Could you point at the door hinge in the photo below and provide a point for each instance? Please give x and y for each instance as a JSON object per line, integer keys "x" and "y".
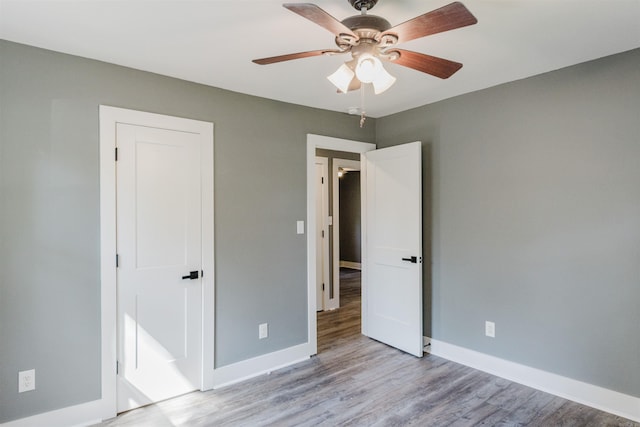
{"x": 323, "y": 286}
{"x": 323, "y": 234}
{"x": 322, "y": 180}
{"x": 117, "y": 260}
{"x": 116, "y": 154}
{"x": 201, "y": 273}
{"x": 117, "y": 367}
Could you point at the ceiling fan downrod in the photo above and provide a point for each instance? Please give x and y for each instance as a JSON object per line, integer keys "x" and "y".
{"x": 363, "y": 4}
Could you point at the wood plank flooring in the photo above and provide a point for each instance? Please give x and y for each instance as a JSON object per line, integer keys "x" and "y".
{"x": 355, "y": 381}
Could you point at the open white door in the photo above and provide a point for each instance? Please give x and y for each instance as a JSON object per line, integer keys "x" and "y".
{"x": 392, "y": 247}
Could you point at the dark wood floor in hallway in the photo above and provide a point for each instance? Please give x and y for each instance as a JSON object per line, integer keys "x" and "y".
{"x": 355, "y": 381}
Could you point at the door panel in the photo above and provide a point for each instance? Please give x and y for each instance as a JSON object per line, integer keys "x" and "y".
{"x": 158, "y": 240}
{"x": 393, "y": 227}
{"x": 160, "y": 188}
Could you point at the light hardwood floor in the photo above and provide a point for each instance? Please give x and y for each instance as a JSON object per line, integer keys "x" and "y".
{"x": 356, "y": 381}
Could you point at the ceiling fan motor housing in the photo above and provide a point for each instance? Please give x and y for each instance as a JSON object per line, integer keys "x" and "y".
{"x": 366, "y": 22}
{"x": 360, "y": 4}
{"x": 368, "y": 29}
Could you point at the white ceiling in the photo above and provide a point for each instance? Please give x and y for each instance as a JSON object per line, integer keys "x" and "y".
{"x": 213, "y": 42}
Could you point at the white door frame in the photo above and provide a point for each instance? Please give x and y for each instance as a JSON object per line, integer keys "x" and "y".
{"x": 109, "y": 117}
{"x": 323, "y": 222}
{"x": 329, "y": 143}
{"x": 352, "y": 165}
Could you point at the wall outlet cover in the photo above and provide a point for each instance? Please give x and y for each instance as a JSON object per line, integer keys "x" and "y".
{"x": 26, "y": 380}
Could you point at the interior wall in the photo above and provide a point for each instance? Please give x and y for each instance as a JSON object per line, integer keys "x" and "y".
{"x": 49, "y": 216}
{"x": 534, "y": 219}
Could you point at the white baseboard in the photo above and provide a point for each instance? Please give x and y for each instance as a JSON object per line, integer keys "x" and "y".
{"x": 94, "y": 412}
{"x": 351, "y": 264}
{"x": 259, "y": 365}
{"x": 587, "y": 394}
{"x": 84, "y": 414}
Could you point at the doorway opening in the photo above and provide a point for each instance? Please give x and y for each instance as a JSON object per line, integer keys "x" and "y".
{"x": 321, "y": 146}
{"x": 347, "y": 219}
{"x": 338, "y": 230}
{"x": 391, "y": 190}
{"x": 338, "y": 222}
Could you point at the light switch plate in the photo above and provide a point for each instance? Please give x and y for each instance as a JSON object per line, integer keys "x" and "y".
{"x": 490, "y": 329}
{"x": 300, "y": 227}
{"x": 263, "y": 330}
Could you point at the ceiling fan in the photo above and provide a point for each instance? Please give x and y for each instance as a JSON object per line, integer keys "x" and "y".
{"x": 371, "y": 39}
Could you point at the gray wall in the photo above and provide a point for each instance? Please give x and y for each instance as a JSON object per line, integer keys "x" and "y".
{"x": 49, "y": 216}
{"x": 535, "y": 219}
{"x": 350, "y": 217}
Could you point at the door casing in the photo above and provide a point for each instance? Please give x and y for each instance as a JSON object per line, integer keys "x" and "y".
{"x": 322, "y": 205}
{"x": 109, "y": 117}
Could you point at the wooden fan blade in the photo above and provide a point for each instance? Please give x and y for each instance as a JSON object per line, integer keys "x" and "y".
{"x": 449, "y": 17}
{"x": 290, "y": 56}
{"x": 433, "y": 65}
{"x": 314, "y": 14}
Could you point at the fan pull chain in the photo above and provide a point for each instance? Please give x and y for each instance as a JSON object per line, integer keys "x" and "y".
{"x": 363, "y": 116}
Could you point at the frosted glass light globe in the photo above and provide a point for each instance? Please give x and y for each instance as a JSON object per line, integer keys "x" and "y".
{"x": 367, "y": 68}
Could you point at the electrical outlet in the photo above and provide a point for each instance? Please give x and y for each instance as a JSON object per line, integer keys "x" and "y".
{"x": 263, "y": 330}
{"x": 26, "y": 380}
{"x": 490, "y": 329}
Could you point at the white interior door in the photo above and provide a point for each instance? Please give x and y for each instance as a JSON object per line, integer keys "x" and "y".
{"x": 392, "y": 254}
{"x": 322, "y": 234}
{"x": 159, "y": 243}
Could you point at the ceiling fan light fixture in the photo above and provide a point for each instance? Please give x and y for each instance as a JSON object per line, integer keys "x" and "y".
{"x": 370, "y": 70}
{"x": 383, "y": 81}
{"x": 342, "y": 78}
{"x": 368, "y": 67}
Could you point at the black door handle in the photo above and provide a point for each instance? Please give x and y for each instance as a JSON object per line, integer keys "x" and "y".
{"x": 413, "y": 259}
{"x": 192, "y": 275}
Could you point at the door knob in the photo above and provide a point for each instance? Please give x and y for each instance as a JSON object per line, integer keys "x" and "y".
{"x": 192, "y": 275}
{"x": 413, "y": 259}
